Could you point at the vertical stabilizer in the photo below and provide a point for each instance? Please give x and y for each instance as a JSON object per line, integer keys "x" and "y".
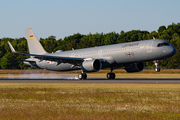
{"x": 34, "y": 45}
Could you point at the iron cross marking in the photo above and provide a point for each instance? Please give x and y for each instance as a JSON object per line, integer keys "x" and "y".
{"x": 130, "y": 54}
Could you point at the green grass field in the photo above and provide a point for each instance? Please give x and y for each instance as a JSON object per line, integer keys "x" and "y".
{"x": 120, "y": 73}
{"x": 102, "y": 101}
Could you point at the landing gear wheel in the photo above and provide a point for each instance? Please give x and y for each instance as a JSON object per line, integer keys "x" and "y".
{"x": 82, "y": 76}
{"x": 111, "y": 75}
{"x": 157, "y": 69}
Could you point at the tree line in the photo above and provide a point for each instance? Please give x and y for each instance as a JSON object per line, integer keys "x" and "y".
{"x": 171, "y": 33}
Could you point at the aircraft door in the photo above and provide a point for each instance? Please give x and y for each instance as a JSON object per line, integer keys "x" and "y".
{"x": 149, "y": 46}
{"x": 99, "y": 53}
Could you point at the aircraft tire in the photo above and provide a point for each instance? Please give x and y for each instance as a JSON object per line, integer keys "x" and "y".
{"x": 157, "y": 69}
{"x": 108, "y": 75}
{"x": 111, "y": 75}
{"x": 82, "y": 76}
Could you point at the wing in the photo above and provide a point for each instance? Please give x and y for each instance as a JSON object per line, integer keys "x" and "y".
{"x": 72, "y": 60}
{"x": 59, "y": 59}
{"x": 18, "y": 60}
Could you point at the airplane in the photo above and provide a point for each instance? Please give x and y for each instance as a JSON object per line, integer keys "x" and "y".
{"x": 131, "y": 55}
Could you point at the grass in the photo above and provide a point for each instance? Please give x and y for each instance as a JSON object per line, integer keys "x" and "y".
{"x": 120, "y": 73}
{"x": 163, "y": 71}
{"x": 89, "y": 101}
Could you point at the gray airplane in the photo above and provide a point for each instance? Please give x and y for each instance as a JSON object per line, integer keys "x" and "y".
{"x": 131, "y": 56}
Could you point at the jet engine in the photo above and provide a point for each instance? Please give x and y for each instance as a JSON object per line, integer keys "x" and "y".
{"x": 91, "y": 65}
{"x": 134, "y": 67}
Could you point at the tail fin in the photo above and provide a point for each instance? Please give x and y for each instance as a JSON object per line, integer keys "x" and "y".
{"x": 34, "y": 45}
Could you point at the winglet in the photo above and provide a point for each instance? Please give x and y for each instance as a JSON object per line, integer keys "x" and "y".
{"x": 12, "y": 49}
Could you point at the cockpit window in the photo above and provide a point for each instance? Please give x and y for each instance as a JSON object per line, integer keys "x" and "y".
{"x": 163, "y": 44}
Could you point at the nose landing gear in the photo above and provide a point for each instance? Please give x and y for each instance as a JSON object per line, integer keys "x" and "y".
{"x": 157, "y": 69}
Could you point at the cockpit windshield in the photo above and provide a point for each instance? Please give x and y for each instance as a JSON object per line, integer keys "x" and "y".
{"x": 163, "y": 44}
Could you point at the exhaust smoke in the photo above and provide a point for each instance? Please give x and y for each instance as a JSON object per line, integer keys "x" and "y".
{"x": 30, "y": 74}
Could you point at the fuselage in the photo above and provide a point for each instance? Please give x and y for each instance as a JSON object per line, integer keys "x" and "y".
{"x": 113, "y": 55}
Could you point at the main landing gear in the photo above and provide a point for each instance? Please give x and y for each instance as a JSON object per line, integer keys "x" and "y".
{"x": 157, "y": 69}
{"x": 111, "y": 75}
{"x": 82, "y": 76}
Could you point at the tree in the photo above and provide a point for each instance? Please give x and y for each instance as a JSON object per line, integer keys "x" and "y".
{"x": 130, "y": 36}
{"x": 122, "y": 32}
{"x": 77, "y": 41}
{"x": 49, "y": 44}
{"x": 165, "y": 36}
{"x": 110, "y": 38}
{"x": 161, "y": 29}
{"x": 152, "y": 35}
{"x": 8, "y": 64}
{"x": 175, "y": 60}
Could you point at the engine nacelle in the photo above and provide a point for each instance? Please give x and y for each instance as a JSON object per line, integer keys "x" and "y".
{"x": 134, "y": 67}
{"x": 91, "y": 65}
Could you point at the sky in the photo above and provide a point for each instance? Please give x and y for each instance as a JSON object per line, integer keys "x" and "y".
{"x": 62, "y": 18}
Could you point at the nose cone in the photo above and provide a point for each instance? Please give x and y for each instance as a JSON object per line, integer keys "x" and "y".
{"x": 172, "y": 51}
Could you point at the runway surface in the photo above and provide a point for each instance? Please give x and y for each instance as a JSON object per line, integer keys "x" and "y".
{"x": 95, "y": 80}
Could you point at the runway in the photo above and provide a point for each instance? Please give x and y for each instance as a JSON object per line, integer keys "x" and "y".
{"x": 95, "y": 80}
